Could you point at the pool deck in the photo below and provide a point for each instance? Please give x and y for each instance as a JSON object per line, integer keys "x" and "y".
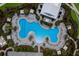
{"x": 57, "y": 46}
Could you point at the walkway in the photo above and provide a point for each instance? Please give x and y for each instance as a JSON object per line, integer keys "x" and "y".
{"x": 1, "y": 4}
{"x": 73, "y": 7}
{"x": 24, "y": 54}
{"x": 5, "y": 51}
{"x": 74, "y": 43}
{"x": 75, "y": 51}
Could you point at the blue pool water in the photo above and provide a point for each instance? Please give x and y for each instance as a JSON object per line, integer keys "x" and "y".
{"x": 40, "y": 32}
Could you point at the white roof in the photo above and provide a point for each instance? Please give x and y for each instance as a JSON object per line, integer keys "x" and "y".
{"x": 51, "y": 9}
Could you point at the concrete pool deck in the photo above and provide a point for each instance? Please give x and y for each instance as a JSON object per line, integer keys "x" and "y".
{"x": 57, "y": 46}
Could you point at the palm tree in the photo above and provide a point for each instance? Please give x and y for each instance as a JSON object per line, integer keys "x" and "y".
{"x": 15, "y": 28}
{"x": 31, "y": 37}
{"x": 43, "y": 44}
{"x": 33, "y": 43}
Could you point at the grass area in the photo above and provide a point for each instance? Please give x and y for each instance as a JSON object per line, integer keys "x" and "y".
{"x": 77, "y": 5}
{"x": 8, "y": 5}
{"x": 75, "y": 18}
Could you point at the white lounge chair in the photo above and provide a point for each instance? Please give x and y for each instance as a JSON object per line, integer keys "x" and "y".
{"x": 21, "y": 11}
{"x": 9, "y": 19}
{"x": 8, "y": 37}
{"x": 58, "y": 52}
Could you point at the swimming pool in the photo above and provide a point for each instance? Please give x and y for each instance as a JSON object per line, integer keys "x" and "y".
{"x": 40, "y": 33}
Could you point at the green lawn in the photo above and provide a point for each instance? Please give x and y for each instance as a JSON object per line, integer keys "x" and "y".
{"x": 77, "y": 5}
{"x": 75, "y": 18}
{"x": 8, "y": 5}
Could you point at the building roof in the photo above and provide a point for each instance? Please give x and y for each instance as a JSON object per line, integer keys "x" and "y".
{"x": 51, "y": 10}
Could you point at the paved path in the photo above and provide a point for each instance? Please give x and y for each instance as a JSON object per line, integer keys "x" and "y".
{"x": 1, "y": 4}
{"x": 75, "y": 51}
{"x": 73, "y": 7}
{"x": 9, "y": 48}
{"x": 4, "y": 51}
{"x": 75, "y": 45}
{"x": 38, "y": 48}
{"x": 10, "y": 53}
{"x": 73, "y": 41}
